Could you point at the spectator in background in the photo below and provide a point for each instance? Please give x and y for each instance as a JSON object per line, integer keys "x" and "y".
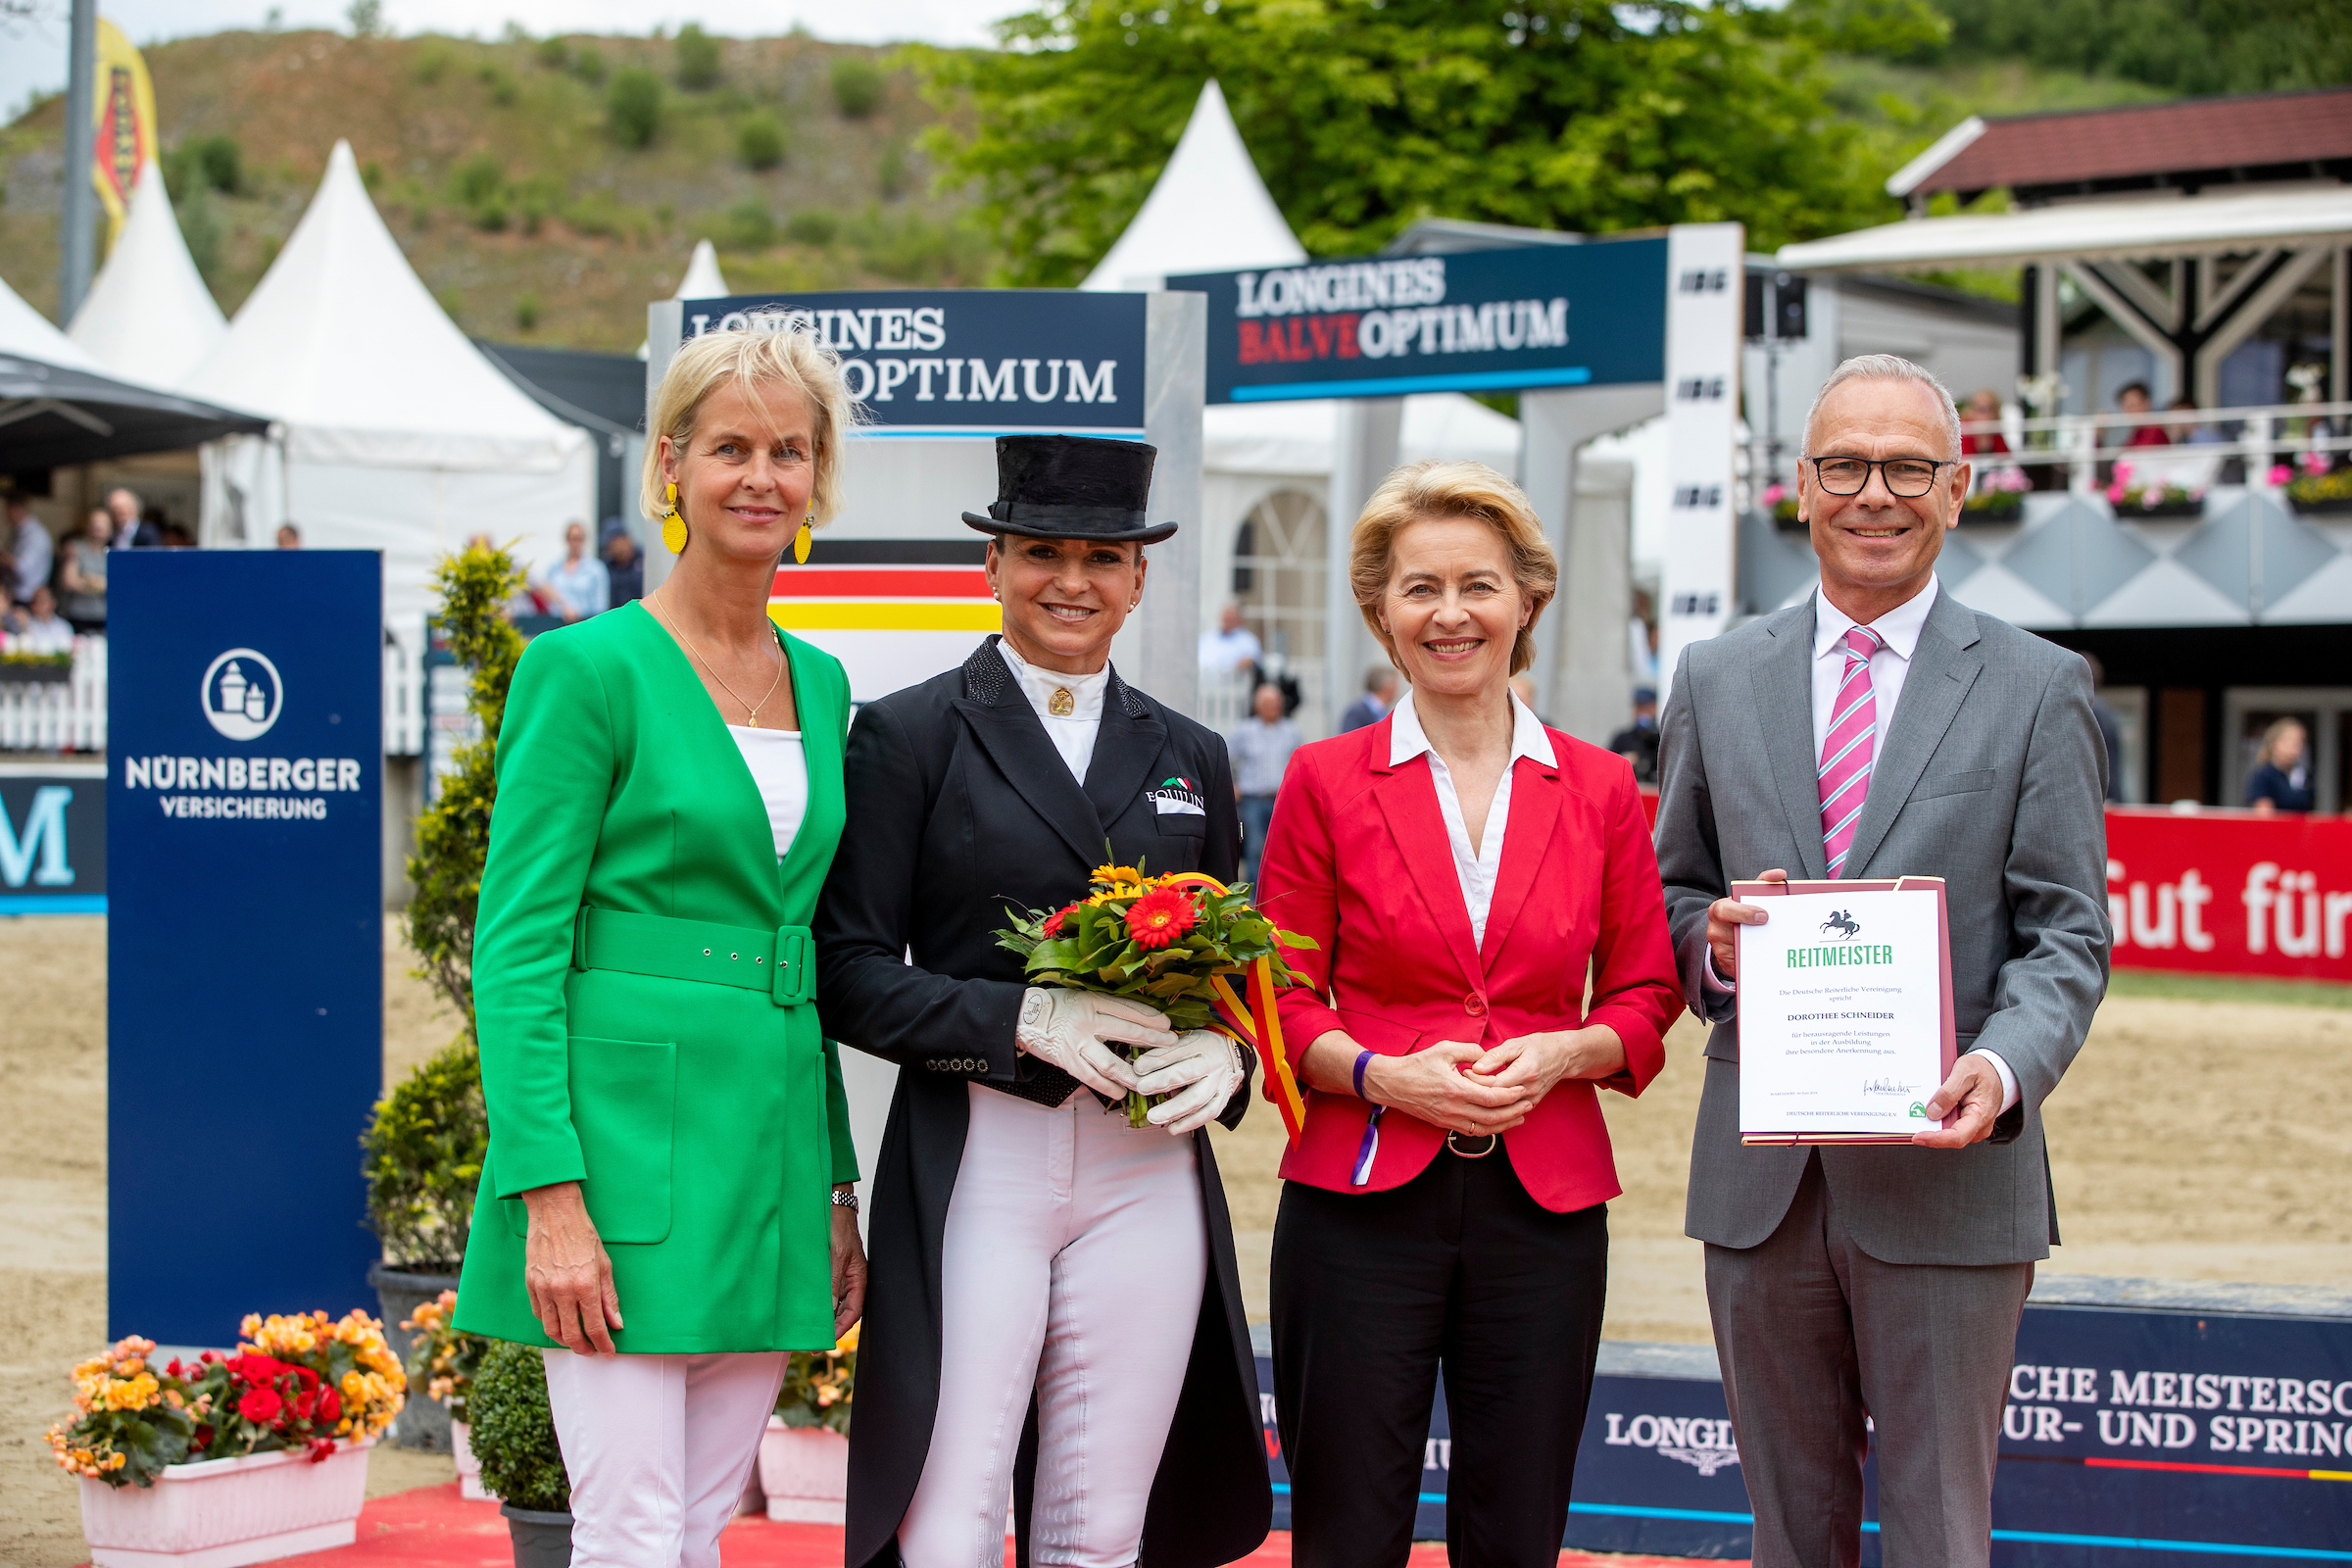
{"x": 40, "y": 629}
{"x": 1380, "y": 695}
{"x": 2282, "y": 777}
{"x": 1229, "y": 645}
{"x": 29, "y": 542}
{"x": 2111, "y": 730}
{"x": 1261, "y": 750}
{"x": 2135, "y": 399}
{"x": 1637, "y": 742}
{"x": 81, "y": 573}
{"x": 624, "y": 569}
{"x": 131, "y": 531}
{"x": 289, "y": 537}
{"x": 176, "y": 536}
{"x": 578, "y": 583}
{"x": 2195, "y": 436}
{"x": 1983, "y": 406}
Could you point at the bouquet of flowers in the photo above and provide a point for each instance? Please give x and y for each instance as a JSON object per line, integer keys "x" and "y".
{"x": 298, "y": 1382}
{"x": 818, "y": 1386}
{"x": 1172, "y": 942}
{"x": 444, "y": 1356}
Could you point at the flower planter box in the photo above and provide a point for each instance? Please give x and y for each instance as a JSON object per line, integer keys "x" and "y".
{"x": 224, "y": 1513}
{"x": 2340, "y": 506}
{"x": 804, "y": 1471}
{"x": 35, "y": 674}
{"x": 541, "y": 1540}
{"x": 2133, "y": 512}
{"x": 470, "y": 1468}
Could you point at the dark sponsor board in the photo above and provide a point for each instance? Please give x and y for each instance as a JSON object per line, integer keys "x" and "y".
{"x": 53, "y": 838}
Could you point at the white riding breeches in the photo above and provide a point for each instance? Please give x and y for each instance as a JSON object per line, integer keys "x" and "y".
{"x": 1074, "y": 1259}
{"x": 658, "y": 1449}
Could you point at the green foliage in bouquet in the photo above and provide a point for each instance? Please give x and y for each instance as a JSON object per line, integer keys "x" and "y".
{"x": 513, "y": 1432}
{"x": 1163, "y": 941}
{"x": 818, "y": 1386}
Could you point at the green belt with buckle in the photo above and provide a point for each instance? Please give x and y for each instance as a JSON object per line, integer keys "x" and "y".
{"x": 779, "y": 962}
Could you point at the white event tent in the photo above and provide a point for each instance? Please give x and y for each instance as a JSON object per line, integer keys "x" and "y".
{"x": 148, "y": 315}
{"x": 702, "y": 281}
{"x": 393, "y": 432}
{"x": 26, "y": 333}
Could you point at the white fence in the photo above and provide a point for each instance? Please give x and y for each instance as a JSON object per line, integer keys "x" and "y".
{"x": 69, "y": 716}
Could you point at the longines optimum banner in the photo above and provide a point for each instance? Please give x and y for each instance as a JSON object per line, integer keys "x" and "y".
{"x": 1536, "y": 315}
{"x": 52, "y": 838}
{"x": 937, "y": 362}
{"x": 244, "y": 826}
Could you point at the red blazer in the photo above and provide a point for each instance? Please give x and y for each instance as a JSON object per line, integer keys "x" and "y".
{"x": 1357, "y": 858}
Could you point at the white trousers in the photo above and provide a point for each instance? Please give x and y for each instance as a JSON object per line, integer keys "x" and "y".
{"x": 1074, "y": 1265}
{"x": 658, "y": 1449}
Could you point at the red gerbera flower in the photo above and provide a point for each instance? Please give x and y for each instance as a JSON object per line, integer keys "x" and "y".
{"x": 1053, "y": 926}
{"x": 1161, "y": 916}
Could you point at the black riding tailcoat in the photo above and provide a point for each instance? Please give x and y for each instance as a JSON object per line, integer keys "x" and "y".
{"x": 958, "y": 806}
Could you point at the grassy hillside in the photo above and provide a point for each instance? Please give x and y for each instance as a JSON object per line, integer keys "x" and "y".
{"x": 508, "y": 171}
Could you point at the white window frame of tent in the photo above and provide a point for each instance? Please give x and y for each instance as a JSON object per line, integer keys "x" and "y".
{"x": 2325, "y": 711}
{"x": 1287, "y": 626}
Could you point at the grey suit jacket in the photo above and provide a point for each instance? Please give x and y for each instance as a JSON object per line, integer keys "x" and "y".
{"x": 1991, "y": 775}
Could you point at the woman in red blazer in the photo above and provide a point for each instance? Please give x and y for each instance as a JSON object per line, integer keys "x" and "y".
{"x": 1463, "y": 870}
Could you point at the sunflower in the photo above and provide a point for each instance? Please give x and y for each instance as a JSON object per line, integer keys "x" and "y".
{"x": 1117, "y": 876}
{"x": 1161, "y": 916}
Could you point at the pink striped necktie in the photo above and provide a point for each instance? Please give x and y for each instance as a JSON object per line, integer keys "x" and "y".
{"x": 1847, "y": 752}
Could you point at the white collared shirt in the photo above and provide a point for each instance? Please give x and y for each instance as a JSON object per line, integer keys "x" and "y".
{"x": 1475, "y": 869}
{"x": 1898, "y": 636}
{"x": 1073, "y": 734}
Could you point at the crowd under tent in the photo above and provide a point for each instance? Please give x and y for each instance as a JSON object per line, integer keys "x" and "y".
{"x": 148, "y": 315}
{"x": 395, "y": 433}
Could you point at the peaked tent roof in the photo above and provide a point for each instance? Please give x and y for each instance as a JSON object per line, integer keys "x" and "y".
{"x": 148, "y": 315}
{"x": 702, "y": 281}
{"x": 342, "y": 341}
{"x": 1208, "y": 212}
{"x": 26, "y": 331}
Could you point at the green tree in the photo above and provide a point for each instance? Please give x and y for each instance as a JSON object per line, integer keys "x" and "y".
{"x": 367, "y": 18}
{"x": 697, "y": 58}
{"x": 760, "y": 140}
{"x": 2193, "y": 46}
{"x": 633, "y": 106}
{"x": 1365, "y": 114}
{"x": 856, "y": 87}
{"x": 751, "y": 227}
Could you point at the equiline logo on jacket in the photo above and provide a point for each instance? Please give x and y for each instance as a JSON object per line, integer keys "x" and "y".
{"x": 1177, "y": 795}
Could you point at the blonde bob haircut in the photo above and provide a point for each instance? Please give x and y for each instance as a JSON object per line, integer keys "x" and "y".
{"x": 755, "y": 360}
{"x": 1434, "y": 489}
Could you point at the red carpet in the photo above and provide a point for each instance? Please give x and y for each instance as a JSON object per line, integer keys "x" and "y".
{"x": 434, "y": 1528}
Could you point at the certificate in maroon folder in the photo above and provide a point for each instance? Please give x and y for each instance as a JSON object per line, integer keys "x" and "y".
{"x": 1860, "y": 889}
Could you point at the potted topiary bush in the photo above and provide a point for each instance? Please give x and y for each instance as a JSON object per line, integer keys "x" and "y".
{"x": 426, "y": 1143}
{"x": 805, "y": 1453}
{"x": 513, "y": 1437}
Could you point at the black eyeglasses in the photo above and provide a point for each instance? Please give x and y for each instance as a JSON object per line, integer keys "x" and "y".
{"x": 1908, "y": 477}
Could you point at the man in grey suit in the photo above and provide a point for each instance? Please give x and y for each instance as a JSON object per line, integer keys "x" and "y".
{"x": 1858, "y": 1286}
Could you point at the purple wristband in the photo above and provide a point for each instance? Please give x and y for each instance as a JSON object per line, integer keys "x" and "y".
{"x": 1362, "y": 1059}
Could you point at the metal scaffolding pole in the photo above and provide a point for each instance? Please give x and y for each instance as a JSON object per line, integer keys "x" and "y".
{"x": 78, "y": 218}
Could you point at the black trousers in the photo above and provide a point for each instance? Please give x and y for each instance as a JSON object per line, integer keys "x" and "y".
{"x": 1372, "y": 1294}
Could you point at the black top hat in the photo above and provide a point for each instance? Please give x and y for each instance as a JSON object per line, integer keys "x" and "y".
{"x": 1072, "y": 487}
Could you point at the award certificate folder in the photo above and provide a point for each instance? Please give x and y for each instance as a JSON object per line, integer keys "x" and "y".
{"x": 1845, "y": 1010}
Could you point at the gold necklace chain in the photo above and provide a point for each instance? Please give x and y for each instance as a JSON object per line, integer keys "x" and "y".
{"x": 670, "y": 622}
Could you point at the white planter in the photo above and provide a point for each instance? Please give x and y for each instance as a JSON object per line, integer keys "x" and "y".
{"x": 804, "y": 1471}
{"x": 470, "y": 1468}
{"x": 225, "y": 1513}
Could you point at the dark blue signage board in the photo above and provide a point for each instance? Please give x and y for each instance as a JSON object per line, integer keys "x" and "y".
{"x": 53, "y": 838}
{"x": 1535, "y": 315}
{"x": 245, "y": 934}
{"x": 2132, "y": 1438}
{"x": 966, "y": 361}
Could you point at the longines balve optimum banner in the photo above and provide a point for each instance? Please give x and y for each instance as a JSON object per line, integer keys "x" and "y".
{"x": 245, "y": 1007}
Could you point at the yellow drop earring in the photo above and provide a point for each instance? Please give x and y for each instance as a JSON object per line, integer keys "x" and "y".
{"x": 674, "y": 524}
{"x": 800, "y": 540}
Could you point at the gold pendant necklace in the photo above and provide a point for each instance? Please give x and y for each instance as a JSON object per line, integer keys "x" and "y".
{"x": 1063, "y": 702}
{"x": 753, "y": 721}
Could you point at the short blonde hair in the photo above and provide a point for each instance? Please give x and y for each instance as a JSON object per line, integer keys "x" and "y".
{"x": 2276, "y": 732}
{"x": 1436, "y": 489}
{"x": 752, "y": 357}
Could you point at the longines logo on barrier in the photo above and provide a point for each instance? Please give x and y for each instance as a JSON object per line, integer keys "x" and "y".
{"x": 242, "y": 694}
{"x": 1700, "y": 1442}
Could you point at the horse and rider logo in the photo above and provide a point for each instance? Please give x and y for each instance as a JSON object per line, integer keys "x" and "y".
{"x": 1842, "y": 924}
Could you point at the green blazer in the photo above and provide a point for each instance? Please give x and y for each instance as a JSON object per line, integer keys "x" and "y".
{"x": 704, "y": 1121}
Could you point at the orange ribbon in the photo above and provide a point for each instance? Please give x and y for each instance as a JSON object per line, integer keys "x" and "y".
{"x": 1257, "y": 1023}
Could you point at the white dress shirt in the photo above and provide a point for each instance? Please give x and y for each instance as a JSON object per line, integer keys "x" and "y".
{"x": 1475, "y": 869}
{"x": 780, "y": 768}
{"x": 1073, "y": 735}
{"x": 1899, "y": 637}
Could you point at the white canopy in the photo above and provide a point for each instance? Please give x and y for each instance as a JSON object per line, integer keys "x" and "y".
{"x": 396, "y": 434}
{"x": 702, "y": 281}
{"x": 148, "y": 315}
{"x": 2087, "y": 231}
{"x": 26, "y": 333}
{"x": 1208, "y": 212}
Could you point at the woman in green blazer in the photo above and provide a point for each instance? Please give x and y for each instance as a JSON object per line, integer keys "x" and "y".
{"x": 666, "y": 1194}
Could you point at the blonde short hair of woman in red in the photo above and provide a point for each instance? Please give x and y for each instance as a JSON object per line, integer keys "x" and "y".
{"x": 1464, "y": 870}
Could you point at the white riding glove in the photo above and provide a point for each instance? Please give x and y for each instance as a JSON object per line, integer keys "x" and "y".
{"x": 1204, "y": 1064}
{"x": 1067, "y": 1028}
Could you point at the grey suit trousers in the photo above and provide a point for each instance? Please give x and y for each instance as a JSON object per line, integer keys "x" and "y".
{"x": 1812, "y": 1333}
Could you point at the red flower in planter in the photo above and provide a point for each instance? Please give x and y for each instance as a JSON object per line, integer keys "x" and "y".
{"x": 262, "y": 1406}
{"x": 303, "y": 1403}
{"x": 330, "y": 1407}
{"x": 1161, "y": 916}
